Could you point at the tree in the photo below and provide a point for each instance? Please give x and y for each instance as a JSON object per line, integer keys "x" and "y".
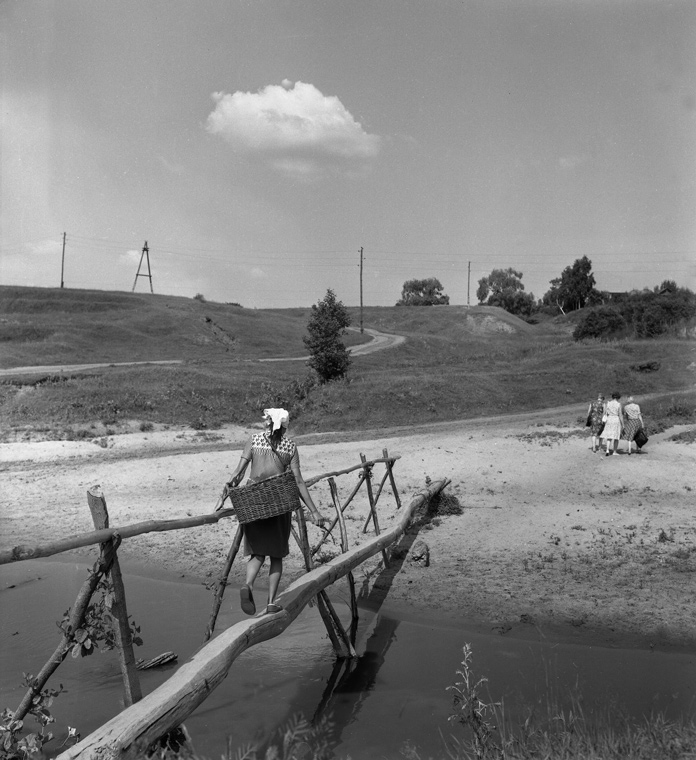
{"x": 574, "y": 288}
{"x": 426, "y": 292}
{"x": 329, "y": 358}
{"x": 504, "y": 288}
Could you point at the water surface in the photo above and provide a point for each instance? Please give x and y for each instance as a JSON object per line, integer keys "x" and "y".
{"x": 395, "y": 692}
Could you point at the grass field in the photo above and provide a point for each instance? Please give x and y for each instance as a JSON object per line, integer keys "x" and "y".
{"x": 457, "y": 363}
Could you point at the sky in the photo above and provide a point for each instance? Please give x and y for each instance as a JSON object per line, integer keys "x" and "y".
{"x": 259, "y": 146}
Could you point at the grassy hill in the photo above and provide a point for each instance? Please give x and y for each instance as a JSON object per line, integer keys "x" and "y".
{"x": 457, "y": 362}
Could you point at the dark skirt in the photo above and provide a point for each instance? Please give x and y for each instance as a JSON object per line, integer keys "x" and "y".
{"x": 269, "y": 537}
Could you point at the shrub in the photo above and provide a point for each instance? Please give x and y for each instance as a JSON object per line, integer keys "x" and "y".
{"x": 600, "y": 323}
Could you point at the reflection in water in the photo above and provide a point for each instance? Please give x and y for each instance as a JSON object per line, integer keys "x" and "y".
{"x": 351, "y": 681}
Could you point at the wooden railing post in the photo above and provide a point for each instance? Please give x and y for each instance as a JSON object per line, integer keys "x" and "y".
{"x": 222, "y": 581}
{"x": 371, "y": 498}
{"x": 339, "y": 638}
{"x": 390, "y": 465}
{"x": 77, "y": 616}
{"x": 344, "y": 547}
{"x": 118, "y": 610}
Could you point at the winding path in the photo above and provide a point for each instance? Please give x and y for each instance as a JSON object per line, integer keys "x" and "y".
{"x": 380, "y": 341}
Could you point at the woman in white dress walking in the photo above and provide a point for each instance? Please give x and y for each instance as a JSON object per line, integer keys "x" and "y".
{"x": 613, "y": 425}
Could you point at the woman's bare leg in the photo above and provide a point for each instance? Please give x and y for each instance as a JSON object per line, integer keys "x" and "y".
{"x": 274, "y": 573}
{"x": 254, "y": 564}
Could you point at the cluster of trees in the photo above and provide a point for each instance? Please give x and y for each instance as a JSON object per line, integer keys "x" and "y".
{"x": 504, "y": 288}
{"x": 427, "y": 292}
{"x": 643, "y": 314}
{"x": 574, "y": 289}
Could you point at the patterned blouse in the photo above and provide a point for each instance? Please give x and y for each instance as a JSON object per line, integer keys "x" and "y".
{"x": 265, "y": 462}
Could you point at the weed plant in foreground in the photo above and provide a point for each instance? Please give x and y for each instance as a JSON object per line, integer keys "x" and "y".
{"x": 481, "y": 731}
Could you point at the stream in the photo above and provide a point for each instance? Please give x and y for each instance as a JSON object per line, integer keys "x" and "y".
{"x": 395, "y": 692}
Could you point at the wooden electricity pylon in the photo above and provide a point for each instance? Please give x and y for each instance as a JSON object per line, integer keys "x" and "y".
{"x": 144, "y": 254}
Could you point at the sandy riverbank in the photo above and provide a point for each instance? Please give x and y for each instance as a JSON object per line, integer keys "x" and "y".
{"x": 551, "y": 536}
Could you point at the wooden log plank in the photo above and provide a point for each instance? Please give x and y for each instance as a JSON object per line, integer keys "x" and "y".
{"x": 169, "y": 704}
{"x": 24, "y": 551}
{"x": 118, "y": 608}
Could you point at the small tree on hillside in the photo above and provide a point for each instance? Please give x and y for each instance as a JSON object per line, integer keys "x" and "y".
{"x": 329, "y": 358}
{"x": 575, "y": 287}
{"x": 426, "y": 292}
{"x": 504, "y": 288}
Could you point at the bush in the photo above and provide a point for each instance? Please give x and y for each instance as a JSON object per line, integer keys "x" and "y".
{"x": 602, "y": 322}
{"x": 287, "y": 395}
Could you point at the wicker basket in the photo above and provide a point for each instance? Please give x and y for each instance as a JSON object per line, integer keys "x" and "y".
{"x": 267, "y": 498}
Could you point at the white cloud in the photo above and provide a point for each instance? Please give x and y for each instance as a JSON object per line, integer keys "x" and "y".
{"x": 296, "y": 128}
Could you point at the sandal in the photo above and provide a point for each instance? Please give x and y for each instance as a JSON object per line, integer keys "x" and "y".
{"x": 271, "y": 609}
{"x": 247, "y": 600}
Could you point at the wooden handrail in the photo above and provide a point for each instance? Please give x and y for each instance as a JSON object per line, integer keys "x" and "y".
{"x": 168, "y": 705}
{"x": 24, "y": 552}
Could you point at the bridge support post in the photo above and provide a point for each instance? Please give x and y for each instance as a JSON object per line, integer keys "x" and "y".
{"x": 118, "y": 610}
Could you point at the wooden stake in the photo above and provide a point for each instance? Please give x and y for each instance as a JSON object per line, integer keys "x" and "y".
{"x": 344, "y": 547}
{"x": 118, "y": 609}
{"x": 77, "y": 617}
{"x": 370, "y": 496}
{"x": 222, "y": 581}
{"x": 339, "y": 638}
{"x": 390, "y": 465}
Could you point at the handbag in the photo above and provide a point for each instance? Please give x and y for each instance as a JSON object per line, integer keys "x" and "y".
{"x": 641, "y": 438}
{"x": 588, "y": 422}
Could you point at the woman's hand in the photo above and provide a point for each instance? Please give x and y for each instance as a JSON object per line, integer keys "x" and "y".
{"x": 317, "y": 519}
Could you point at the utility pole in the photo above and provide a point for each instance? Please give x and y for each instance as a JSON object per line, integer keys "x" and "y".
{"x": 361, "y": 289}
{"x": 468, "y": 283}
{"x": 145, "y": 254}
{"x": 62, "y": 264}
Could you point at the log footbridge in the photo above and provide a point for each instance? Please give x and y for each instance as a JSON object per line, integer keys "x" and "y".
{"x": 146, "y": 719}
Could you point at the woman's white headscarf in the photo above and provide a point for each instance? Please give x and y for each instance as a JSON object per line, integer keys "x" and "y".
{"x": 278, "y": 417}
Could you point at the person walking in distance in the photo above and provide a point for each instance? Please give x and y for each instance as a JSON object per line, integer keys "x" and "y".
{"x": 613, "y": 425}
